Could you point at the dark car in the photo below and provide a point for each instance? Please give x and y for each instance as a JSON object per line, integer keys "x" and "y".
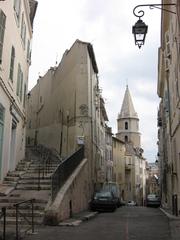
{"x": 103, "y": 201}
{"x": 114, "y": 188}
{"x": 153, "y": 200}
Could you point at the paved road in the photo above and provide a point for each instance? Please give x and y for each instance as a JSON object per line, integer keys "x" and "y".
{"x": 127, "y": 223}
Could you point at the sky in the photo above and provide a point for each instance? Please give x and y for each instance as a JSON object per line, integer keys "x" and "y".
{"x": 107, "y": 25}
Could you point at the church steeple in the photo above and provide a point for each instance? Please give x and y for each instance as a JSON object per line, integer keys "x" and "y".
{"x": 128, "y": 122}
{"x": 127, "y": 109}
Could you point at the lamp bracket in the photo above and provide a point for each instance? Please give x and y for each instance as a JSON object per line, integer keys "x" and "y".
{"x": 140, "y": 13}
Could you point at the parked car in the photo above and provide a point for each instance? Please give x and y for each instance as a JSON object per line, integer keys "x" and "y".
{"x": 103, "y": 201}
{"x": 153, "y": 200}
{"x": 131, "y": 203}
{"x": 114, "y": 188}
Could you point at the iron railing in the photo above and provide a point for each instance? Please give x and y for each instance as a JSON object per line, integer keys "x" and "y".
{"x": 45, "y": 160}
{"x": 30, "y": 222}
{"x": 64, "y": 170}
{"x": 3, "y": 215}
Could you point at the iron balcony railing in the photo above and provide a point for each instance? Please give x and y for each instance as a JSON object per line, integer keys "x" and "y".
{"x": 64, "y": 170}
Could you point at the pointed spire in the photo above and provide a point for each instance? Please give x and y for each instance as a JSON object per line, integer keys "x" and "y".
{"x": 127, "y": 109}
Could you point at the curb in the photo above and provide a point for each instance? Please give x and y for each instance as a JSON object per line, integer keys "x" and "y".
{"x": 170, "y": 216}
{"x": 89, "y": 216}
{"x": 78, "y": 220}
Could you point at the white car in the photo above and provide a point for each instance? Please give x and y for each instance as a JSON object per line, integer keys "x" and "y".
{"x": 131, "y": 203}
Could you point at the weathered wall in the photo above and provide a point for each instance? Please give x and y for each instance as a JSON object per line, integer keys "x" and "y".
{"x": 73, "y": 193}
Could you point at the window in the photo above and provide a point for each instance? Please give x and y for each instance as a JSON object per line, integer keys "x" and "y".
{"x": 12, "y": 64}
{"x": 1, "y": 113}
{"x": 19, "y": 82}
{"x": 28, "y": 52}
{"x": 126, "y": 138}
{"x": 17, "y": 8}
{"x": 23, "y": 30}
{"x": 126, "y": 125}
{"x": 2, "y": 28}
{"x": 24, "y": 98}
{"x": 21, "y": 86}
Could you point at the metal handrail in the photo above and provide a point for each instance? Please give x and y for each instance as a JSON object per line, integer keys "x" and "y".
{"x": 64, "y": 170}
{"x": 3, "y": 214}
{"x": 45, "y": 158}
{"x": 31, "y": 202}
{"x": 44, "y": 166}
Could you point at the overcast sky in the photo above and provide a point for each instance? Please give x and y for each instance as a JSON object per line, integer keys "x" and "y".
{"x": 107, "y": 25}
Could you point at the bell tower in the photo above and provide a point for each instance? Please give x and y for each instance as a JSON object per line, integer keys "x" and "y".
{"x": 128, "y": 122}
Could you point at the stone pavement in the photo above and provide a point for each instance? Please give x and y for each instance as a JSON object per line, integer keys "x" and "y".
{"x": 174, "y": 224}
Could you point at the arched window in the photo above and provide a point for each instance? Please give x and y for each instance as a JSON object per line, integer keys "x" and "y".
{"x": 126, "y": 125}
{"x": 126, "y": 138}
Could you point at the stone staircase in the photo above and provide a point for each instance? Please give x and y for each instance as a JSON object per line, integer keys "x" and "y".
{"x": 30, "y": 180}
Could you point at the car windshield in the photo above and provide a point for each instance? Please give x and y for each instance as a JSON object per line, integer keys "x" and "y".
{"x": 103, "y": 194}
{"x": 152, "y": 196}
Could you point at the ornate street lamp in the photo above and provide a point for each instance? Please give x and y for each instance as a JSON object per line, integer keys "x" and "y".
{"x": 140, "y": 28}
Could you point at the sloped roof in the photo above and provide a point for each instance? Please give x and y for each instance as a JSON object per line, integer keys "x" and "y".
{"x": 127, "y": 109}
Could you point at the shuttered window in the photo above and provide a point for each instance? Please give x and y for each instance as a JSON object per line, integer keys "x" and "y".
{"x": 12, "y": 63}
{"x": 2, "y": 29}
{"x": 1, "y": 114}
{"x": 23, "y": 30}
{"x": 19, "y": 88}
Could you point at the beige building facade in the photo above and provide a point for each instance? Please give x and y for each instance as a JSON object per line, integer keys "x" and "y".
{"x": 119, "y": 165}
{"x": 65, "y": 110}
{"x": 169, "y": 108}
{"x": 16, "y": 19}
{"x": 153, "y": 179}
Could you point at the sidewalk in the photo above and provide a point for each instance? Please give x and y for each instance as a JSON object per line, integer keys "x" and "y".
{"x": 174, "y": 223}
{"x": 78, "y": 218}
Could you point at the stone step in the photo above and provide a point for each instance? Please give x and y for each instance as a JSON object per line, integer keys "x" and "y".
{"x": 12, "y": 183}
{"x": 25, "y": 212}
{"x": 34, "y": 177}
{"x": 16, "y": 200}
{"x": 32, "y": 187}
{"x": 36, "y": 170}
{"x": 11, "y": 178}
{"x": 34, "y": 181}
{"x": 22, "y": 221}
{"x": 33, "y": 164}
{"x": 10, "y": 200}
{"x": 15, "y": 173}
{"x": 50, "y": 169}
{"x": 40, "y": 206}
{"x": 21, "y": 169}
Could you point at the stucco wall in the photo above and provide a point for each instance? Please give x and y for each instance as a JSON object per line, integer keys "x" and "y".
{"x": 75, "y": 191}
{"x": 13, "y": 141}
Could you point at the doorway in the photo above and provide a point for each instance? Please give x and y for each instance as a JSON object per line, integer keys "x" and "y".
{"x": 13, "y": 144}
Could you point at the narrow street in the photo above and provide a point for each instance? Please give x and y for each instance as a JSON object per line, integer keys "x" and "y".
{"x": 126, "y": 223}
